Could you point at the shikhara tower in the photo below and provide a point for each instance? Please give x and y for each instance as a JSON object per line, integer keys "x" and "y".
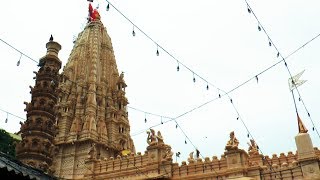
{"x": 92, "y": 105}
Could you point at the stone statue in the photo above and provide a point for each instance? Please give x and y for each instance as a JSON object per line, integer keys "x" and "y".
{"x": 151, "y": 139}
{"x": 191, "y": 159}
{"x": 93, "y": 152}
{"x": 253, "y": 148}
{"x": 168, "y": 154}
{"x": 233, "y": 143}
{"x": 159, "y": 138}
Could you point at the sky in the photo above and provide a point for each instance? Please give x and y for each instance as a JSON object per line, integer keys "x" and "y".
{"x": 217, "y": 39}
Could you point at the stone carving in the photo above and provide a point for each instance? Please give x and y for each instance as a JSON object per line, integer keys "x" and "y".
{"x": 159, "y": 138}
{"x": 93, "y": 152}
{"x": 253, "y": 148}
{"x": 191, "y": 159}
{"x": 233, "y": 143}
{"x": 154, "y": 139}
{"x": 151, "y": 139}
{"x": 168, "y": 154}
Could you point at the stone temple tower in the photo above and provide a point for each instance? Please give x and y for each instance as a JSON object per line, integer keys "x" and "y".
{"x": 37, "y": 146}
{"x": 91, "y": 111}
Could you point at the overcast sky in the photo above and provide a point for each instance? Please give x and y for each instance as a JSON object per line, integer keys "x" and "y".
{"x": 217, "y": 39}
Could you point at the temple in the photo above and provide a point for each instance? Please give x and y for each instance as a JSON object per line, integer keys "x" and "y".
{"x": 77, "y": 127}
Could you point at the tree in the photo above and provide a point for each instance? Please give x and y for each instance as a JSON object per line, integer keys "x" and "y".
{"x": 7, "y": 143}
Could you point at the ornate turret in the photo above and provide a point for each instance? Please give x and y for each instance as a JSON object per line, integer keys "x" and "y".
{"x": 37, "y": 146}
{"x": 92, "y": 104}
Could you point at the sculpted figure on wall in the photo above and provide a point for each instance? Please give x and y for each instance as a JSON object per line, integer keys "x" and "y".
{"x": 253, "y": 147}
{"x": 233, "y": 143}
{"x": 151, "y": 139}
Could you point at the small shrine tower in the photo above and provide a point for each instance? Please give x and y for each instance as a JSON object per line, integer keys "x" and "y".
{"x": 37, "y": 146}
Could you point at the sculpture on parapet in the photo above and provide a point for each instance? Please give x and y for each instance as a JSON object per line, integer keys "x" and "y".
{"x": 151, "y": 139}
{"x": 233, "y": 143}
{"x": 168, "y": 154}
{"x": 253, "y": 147}
{"x": 154, "y": 139}
{"x": 190, "y": 158}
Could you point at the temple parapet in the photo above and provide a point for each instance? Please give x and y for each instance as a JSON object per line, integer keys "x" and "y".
{"x": 235, "y": 163}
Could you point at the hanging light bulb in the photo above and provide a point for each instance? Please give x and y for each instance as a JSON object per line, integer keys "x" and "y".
{"x": 185, "y": 141}
{"x": 312, "y": 128}
{"x": 194, "y": 79}
{"x": 308, "y": 114}
{"x": 18, "y": 63}
{"x": 259, "y": 28}
{"x": 249, "y": 10}
{"x": 278, "y": 54}
{"x": 145, "y": 118}
{"x": 219, "y": 95}
{"x": 248, "y": 135}
{"x": 270, "y": 43}
{"x": 237, "y": 118}
{"x": 231, "y": 101}
{"x": 161, "y": 120}
{"x": 178, "y": 67}
{"x": 108, "y": 7}
{"x": 299, "y": 98}
{"x": 176, "y": 126}
{"x": 257, "y": 78}
{"x": 157, "y": 52}
{"x": 207, "y": 87}
{"x": 133, "y": 32}
{"x": 6, "y": 121}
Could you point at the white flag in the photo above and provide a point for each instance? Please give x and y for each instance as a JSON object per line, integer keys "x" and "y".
{"x": 295, "y": 81}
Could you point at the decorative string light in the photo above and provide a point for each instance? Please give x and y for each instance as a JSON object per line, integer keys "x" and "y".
{"x": 185, "y": 141}
{"x": 238, "y": 118}
{"x": 207, "y": 86}
{"x": 270, "y": 43}
{"x": 161, "y": 120}
{"x": 249, "y": 10}
{"x": 133, "y": 32}
{"x": 157, "y": 53}
{"x": 145, "y": 118}
{"x": 6, "y": 121}
{"x": 18, "y": 63}
{"x": 194, "y": 79}
{"x": 257, "y": 78}
{"x": 108, "y": 7}
{"x": 178, "y": 67}
{"x": 284, "y": 59}
{"x": 259, "y": 28}
{"x": 231, "y": 101}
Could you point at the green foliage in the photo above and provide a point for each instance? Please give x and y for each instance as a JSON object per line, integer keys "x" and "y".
{"x": 7, "y": 143}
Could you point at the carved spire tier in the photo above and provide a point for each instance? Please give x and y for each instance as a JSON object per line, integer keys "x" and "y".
{"x": 37, "y": 146}
{"x": 92, "y": 103}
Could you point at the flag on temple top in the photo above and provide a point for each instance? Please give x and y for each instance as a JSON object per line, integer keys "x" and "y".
{"x": 90, "y": 9}
{"x": 295, "y": 81}
{"x": 302, "y": 128}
